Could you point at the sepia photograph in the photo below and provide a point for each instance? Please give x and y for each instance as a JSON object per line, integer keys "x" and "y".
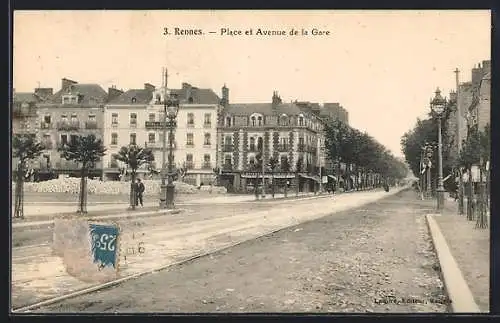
{"x": 250, "y": 161}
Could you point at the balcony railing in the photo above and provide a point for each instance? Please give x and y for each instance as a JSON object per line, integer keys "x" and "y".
{"x": 227, "y": 167}
{"x": 190, "y": 124}
{"x": 253, "y": 148}
{"x": 301, "y": 147}
{"x": 207, "y": 125}
{"x": 206, "y": 166}
{"x": 227, "y": 148}
{"x": 68, "y": 125}
{"x": 158, "y": 125}
{"x": 45, "y": 125}
{"x": 158, "y": 145}
{"x": 283, "y": 147}
{"x": 189, "y": 165}
{"x": 90, "y": 124}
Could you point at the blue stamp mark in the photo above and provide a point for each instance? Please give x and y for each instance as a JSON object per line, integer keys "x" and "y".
{"x": 104, "y": 248}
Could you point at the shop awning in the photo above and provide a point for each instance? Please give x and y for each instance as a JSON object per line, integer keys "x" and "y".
{"x": 317, "y": 179}
{"x": 332, "y": 177}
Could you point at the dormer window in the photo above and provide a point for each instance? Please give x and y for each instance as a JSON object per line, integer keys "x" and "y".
{"x": 283, "y": 120}
{"x": 260, "y": 120}
{"x": 253, "y": 121}
{"x": 134, "y": 100}
{"x": 301, "y": 121}
{"x": 228, "y": 121}
{"x": 190, "y": 100}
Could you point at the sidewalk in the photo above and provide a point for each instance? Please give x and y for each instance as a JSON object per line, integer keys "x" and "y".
{"x": 471, "y": 249}
{"x": 41, "y": 276}
{"x": 44, "y": 214}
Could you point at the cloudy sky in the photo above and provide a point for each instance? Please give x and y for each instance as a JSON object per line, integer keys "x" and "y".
{"x": 382, "y": 66}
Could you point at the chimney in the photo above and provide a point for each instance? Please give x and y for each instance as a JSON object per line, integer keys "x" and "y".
{"x": 276, "y": 99}
{"x": 225, "y": 95}
{"x": 44, "y": 93}
{"x": 486, "y": 67}
{"x": 113, "y": 93}
{"x": 453, "y": 96}
{"x": 149, "y": 87}
{"x": 66, "y": 83}
{"x": 186, "y": 89}
{"x": 477, "y": 75}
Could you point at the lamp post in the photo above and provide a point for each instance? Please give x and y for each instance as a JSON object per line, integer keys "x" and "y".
{"x": 438, "y": 106}
{"x": 170, "y": 110}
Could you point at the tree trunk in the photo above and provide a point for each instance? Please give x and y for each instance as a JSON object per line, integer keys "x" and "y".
{"x": 482, "y": 220}
{"x": 286, "y": 187}
{"x": 460, "y": 192}
{"x": 297, "y": 181}
{"x": 132, "y": 190}
{"x": 19, "y": 193}
{"x": 272, "y": 184}
{"x": 470, "y": 195}
{"x": 82, "y": 205}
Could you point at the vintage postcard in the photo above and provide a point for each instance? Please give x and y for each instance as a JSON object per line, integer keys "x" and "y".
{"x": 220, "y": 161}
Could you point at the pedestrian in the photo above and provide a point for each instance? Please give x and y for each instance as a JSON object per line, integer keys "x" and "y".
{"x": 139, "y": 192}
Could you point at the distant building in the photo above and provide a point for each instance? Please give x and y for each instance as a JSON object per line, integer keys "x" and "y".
{"x": 76, "y": 109}
{"x": 288, "y": 131}
{"x": 136, "y": 116}
{"x": 335, "y": 111}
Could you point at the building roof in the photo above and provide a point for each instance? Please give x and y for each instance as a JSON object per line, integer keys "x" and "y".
{"x": 266, "y": 109}
{"x": 199, "y": 96}
{"x": 91, "y": 93}
{"x": 141, "y": 96}
{"x": 24, "y": 97}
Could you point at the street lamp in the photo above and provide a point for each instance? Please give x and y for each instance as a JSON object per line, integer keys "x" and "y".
{"x": 170, "y": 110}
{"x": 438, "y": 106}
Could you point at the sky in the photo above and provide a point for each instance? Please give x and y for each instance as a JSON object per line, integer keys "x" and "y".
{"x": 382, "y": 66}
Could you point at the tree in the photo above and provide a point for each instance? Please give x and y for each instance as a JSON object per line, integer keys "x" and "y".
{"x": 134, "y": 157}
{"x": 86, "y": 150}
{"x": 299, "y": 165}
{"x": 24, "y": 148}
{"x": 273, "y": 164}
{"x": 285, "y": 168}
{"x": 470, "y": 155}
{"x": 485, "y": 151}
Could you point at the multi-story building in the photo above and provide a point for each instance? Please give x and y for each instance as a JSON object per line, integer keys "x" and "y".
{"x": 469, "y": 105}
{"x": 287, "y": 131}
{"x": 24, "y": 111}
{"x": 76, "y": 109}
{"x": 137, "y": 116}
{"x": 335, "y": 111}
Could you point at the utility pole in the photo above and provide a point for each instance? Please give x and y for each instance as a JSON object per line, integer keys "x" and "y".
{"x": 459, "y": 144}
{"x": 163, "y": 197}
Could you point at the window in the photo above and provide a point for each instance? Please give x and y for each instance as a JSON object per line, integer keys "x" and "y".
{"x": 206, "y": 159}
{"x": 65, "y": 100}
{"x": 301, "y": 141}
{"x": 114, "y": 119}
{"x": 252, "y": 144}
{"x": 206, "y": 142}
{"x": 92, "y": 117}
{"x": 73, "y": 138}
{"x": 283, "y": 120}
{"x": 152, "y": 117}
{"x": 74, "y": 118}
{"x": 228, "y": 140}
{"x": 260, "y": 120}
{"x": 64, "y": 118}
{"x": 114, "y": 138}
{"x": 189, "y": 161}
{"x": 133, "y": 119}
{"x": 253, "y": 121}
{"x": 151, "y": 138}
{"x": 284, "y": 143}
{"x": 228, "y": 121}
{"x": 208, "y": 120}
{"x": 189, "y": 139}
{"x": 171, "y": 136}
{"x": 301, "y": 121}
{"x": 259, "y": 144}
{"x": 251, "y": 161}
{"x": 190, "y": 119}
{"x": 47, "y": 119}
{"x": 227, "y": 160}
{"x": 64, "y": 139}
{"x": 133, "y": 139}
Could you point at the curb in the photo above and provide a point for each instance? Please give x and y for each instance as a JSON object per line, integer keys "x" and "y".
{"x": 34, "y": 224}
{"x": 152, "y": 271}
{"x": 455, "y": 285}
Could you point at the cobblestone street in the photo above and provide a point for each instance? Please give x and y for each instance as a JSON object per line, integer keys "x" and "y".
{"x": 376, "y": 258}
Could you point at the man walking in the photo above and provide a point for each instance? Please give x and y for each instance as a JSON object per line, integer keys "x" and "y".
{"x": 140, "y": 190}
